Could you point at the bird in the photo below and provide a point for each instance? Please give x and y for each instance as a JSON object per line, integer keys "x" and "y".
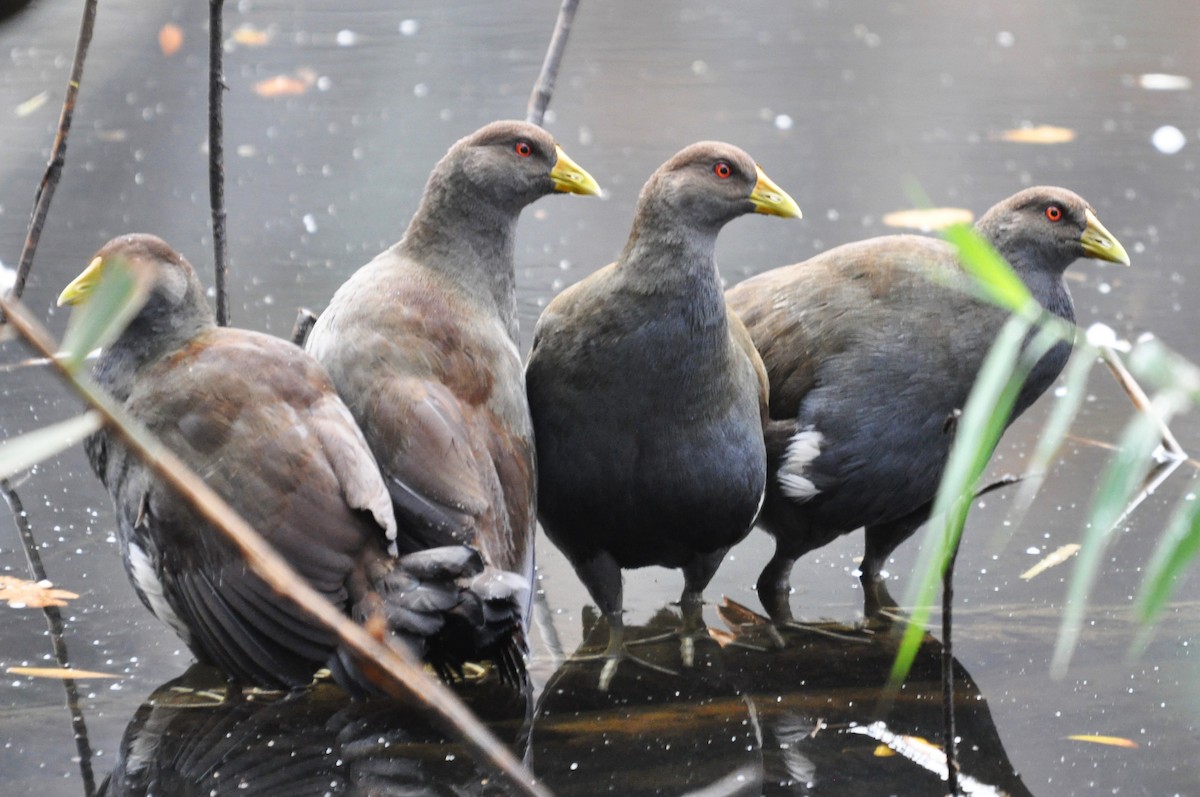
{"x": 422, "y": 345}
{"x": 648, "y": 399}
{"x": 259, "y": 420}
{"x": 870, "y": 356}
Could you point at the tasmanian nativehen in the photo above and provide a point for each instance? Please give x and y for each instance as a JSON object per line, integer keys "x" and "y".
{"x": 869, "y": 354}
{"x": 421, "y": 343}
{"x": 260, "y": 422}
{"x": 648, "y": 398}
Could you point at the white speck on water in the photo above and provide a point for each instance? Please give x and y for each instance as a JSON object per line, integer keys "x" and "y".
{"x": 574, "y": 766}
{"x": 421, "y": 90}
{"x": 8, "y": 278}
{"x": 699, "y": 68}
{"x": 310, "y": 223}
{"x": 1005, "y": 38}
{"x": 1159, "y": 81}
{"x": 1168, "y": 139}
{"x": 246, "y": 150}
{"x": 1104, "y": 287}
{"x": 409, "y": 27}
{"x": 585, "y": 135}
{"x": 1061, "y": 392}
{"x": 783, "y": 122}
{"x": 1033, "y": 550}
{"x": 346, "y": 38}
{"x": 832, "y": 214}
{"x": 324, "y": 83}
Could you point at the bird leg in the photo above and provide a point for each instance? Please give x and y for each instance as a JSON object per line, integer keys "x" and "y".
{"x": 879, "y": 607}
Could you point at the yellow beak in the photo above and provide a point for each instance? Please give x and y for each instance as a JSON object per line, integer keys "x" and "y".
{"x": 570, "y": 178}
{"x": 1101, "y": 244}
{"x": 82, "y": 286}
{"x": 772, "y": 200}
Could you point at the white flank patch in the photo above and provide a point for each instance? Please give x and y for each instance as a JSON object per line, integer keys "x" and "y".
{"x": 147, "y": 581}
{"x": 803, "y": 448}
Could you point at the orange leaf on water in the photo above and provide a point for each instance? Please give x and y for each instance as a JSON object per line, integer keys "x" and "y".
{"x": 251, "y": 37}
{"x": 21, "y": 594}
{"x": 1111, "y": 741}
{"x": 170, "y": 39}
{"x": 59, "y": 672}
{"x": 928, "y": 218}
{"x": 286, "y": 85}
{"x": 1042, "y": 134}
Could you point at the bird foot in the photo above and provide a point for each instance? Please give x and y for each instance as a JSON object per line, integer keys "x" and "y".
{"x": 820, "y": 630}
{"x": 612, "y": 660}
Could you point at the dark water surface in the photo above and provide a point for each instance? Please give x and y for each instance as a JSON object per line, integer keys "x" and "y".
{"x": 845, "y": 104}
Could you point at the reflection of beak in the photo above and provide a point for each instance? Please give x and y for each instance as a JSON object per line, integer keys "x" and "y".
{"x": 569, "y": 178}
{"x": 82, "y": 286}
{"x": 1100, "y": 243}
{"x": 771, "y": 199}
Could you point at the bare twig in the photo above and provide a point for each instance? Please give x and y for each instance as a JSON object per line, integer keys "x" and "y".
{"x": 1141, "y": 402}
{"x": 58, "y": 153}
{"x": 54, "y": 623}
{"x": 304, "y": 324}
{"x": 392, "y": 660}
{"x": 216, "y": 156}
{"x": 543, "y": 90}
{"x": 949, "y": 742}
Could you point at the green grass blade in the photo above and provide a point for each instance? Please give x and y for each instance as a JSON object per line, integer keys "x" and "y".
{"x": 1178, "y": 546}
{"x": 999, "y": 282}
{"x": 1054, "y": 431}
{"x": 101, "y": 318}
{"x": 984, "y": 416}
{"x": 1124, "y": 474}
{"x": 20, "y": 453}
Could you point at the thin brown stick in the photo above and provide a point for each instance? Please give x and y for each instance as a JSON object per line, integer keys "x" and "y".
{"x": 54, "y": 624}
{"x": 216, "y": 157}
{"x": 543, "y": 90}
{"x": 305, "y": 319}
{"x": 950, "y": 740}
{"x": 58, "y": 153}
{"x": 1141, "y": 402}
{"x": 393, "y": 660}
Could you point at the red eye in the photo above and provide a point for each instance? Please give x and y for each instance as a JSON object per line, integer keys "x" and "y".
{"x": 523, "y": 149}
{"x": 1054, "y": 213}
{"x": 722, "y": 170}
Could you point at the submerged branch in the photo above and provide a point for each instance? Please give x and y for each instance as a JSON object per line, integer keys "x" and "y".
{"x": 216, "y": 157}
{"x": 543, "y": 90}
{"x": 54, "y": 623}
{"x": 58, "y": 153}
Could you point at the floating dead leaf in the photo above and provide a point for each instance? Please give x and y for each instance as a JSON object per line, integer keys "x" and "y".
{"x": 1111, "y": 741}
{"x": 112, "y": 135}
{"x": 1041, "y": 134}
{"x": 1052, "y": 559}
{"x": 170, "y": 39}
{"x": 722, "y": 637}
{"x": 286, "y": 85}
{"x": 32, "y": 104}
{"x": 22, "y": 594}
{"x": 1159, "y": 81}
{"x": 248, "y": 36}
{"x": 59, "y": 672}
{"x": 928, "y": 219}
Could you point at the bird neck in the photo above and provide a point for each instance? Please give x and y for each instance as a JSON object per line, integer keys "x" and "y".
{"x": 469, "y": 241}
{"x": 663, "y": 256}
{"x": 144, "y": 342}
{"x": 1045, "y": 283}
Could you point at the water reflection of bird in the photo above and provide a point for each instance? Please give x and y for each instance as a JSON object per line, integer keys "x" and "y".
{"x": 870, "y": 354}
{"x": 829, "y": 727}
{"x": 421, "y": 344}
{"x": 259, "y": 420}
{"x": 808, "y": 716}
{"x": 647, "y": 396}
{"x": 192, "y": 739}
